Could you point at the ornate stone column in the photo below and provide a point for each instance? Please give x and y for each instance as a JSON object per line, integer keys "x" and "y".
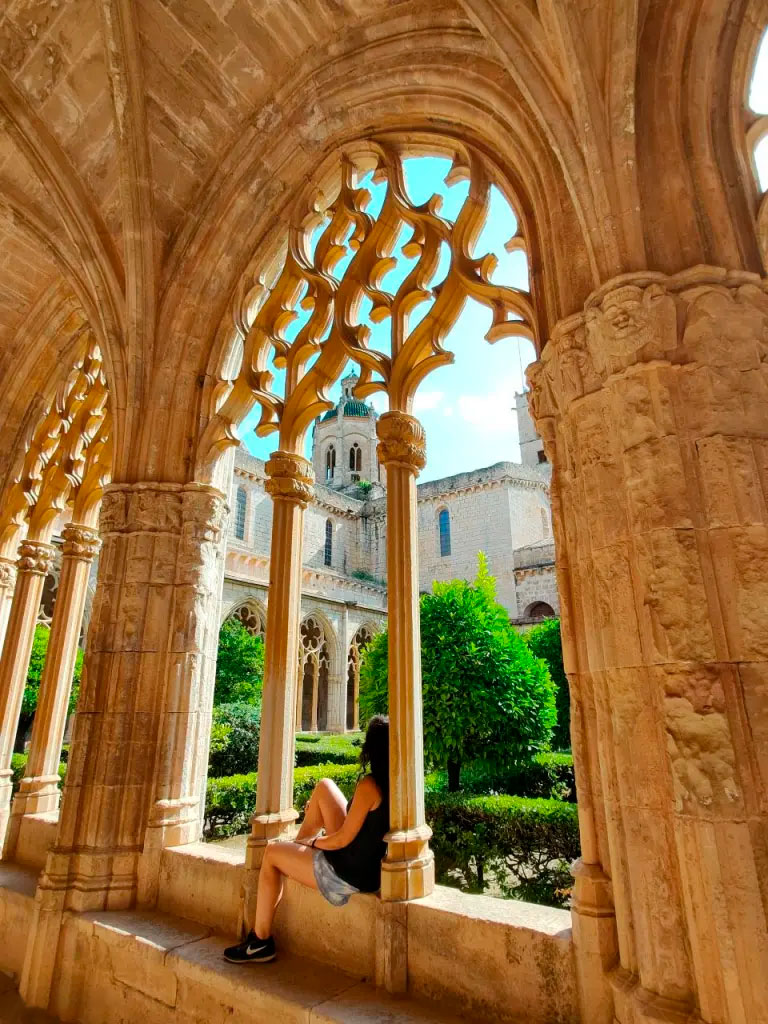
{"x": 290, "y": 482}
{"x": 408, "y": 868}
{"x": 654, "y": 407}
{"x": 39, "y": 789}
{"x": 7, "y": 584}
{"x": 35, "y": 560}
{"x": 140, "y": 739}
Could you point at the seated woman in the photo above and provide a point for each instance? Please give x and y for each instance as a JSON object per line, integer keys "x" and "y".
{"x": 338, "y": 849}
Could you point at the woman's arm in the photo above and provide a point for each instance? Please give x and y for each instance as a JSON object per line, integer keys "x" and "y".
{"x": 366, "y": 795}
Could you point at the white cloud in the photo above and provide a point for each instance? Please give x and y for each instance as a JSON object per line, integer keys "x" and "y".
{"x": 426, "y": 401}
{"x": 492, "y": 412}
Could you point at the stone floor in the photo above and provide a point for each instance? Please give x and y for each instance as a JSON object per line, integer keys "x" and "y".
{"x": 12, "y": 1011}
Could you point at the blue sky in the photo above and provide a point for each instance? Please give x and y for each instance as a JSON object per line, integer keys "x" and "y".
{"x": 467, "y": 408}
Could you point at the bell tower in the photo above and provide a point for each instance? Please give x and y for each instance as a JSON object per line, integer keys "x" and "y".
{"x": 344, "y": 443}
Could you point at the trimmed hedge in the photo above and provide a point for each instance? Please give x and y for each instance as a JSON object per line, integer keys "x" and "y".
{"x": 328, "y": 749}
{"x": 230, "y": 800}
{"x": 521, "y": 847}
{"x": 19, "y": 763}
{"x": 548, "y": 776}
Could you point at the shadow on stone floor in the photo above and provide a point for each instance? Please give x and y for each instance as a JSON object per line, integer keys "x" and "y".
{"x": 13, "y": 1011}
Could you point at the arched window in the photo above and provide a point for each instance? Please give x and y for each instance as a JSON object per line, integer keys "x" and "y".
{"x": 241, "y": 502}
{"x": 444, "y": 525}
{"x": 360, "y": 641}
{"x": 251, "y": 618}
{"x": 539, "y": 610}
{"x": 328, "y": 542}
{"x": 314, "y": 665}
{"x": 330, "y": 463}
{"x": 355, "y": 458}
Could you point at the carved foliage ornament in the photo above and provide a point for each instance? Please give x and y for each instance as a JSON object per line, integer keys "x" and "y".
{"x": 402, "y": 441}
{"x": 344, "y": 273}
{"x": 290, "y": 477}
{"x": 81, "y": 542}
{"x": 35, "y": 557}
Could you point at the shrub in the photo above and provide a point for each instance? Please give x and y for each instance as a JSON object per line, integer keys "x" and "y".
{"x": 19, "y": 763}
{"x": 521, "y": 847}
{"x": 235, "y": 747}
{"x": 545, "y": 642}
{"x": 230, "y": 800}
{"x": 485, "y": 696}
{"x": 547, "y": 775}
{"x": 342, "y": 749}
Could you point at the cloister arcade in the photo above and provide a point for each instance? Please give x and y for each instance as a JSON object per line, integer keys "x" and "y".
{"x": 150, "y": 277}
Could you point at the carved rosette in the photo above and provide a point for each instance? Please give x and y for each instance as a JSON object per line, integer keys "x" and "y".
{"x": 35, "y": 557}
{"x": 402, "y": 441}
{"x": 7, "y": 574}
{"x": 291, "y": 478}
{"x": 81, "y": 542}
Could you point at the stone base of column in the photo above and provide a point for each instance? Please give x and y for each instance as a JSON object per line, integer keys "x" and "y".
{"x": 634, "y": 1004}
{"x": 595, "y": 941}
{"x": 36, "y": 795}
{"x": 6, "y": 790}
{"x": 172, "y": 823}
{"x": 42, "y": 944}
{"x": 408, "y": 870}
{"x": 266, "y": 829}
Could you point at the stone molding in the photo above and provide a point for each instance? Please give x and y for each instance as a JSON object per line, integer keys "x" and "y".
{"x": 80, "y": 542}
{"x": 35, "y": 556}
{"x": 7, "y": 573}
{"x": 402, "y": 441}
{"x": 291, "y": 478}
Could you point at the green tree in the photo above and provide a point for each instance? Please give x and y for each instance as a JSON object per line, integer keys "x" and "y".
{"x": 32, "y": 687}
{"x": 239, "y": 665}
{"x": 234, "y": 739}
{"x": 544, "y": 641}
{"x": 486, "y": 698}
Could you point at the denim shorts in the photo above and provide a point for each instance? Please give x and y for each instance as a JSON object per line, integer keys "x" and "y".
{"x": 335, "y": 889}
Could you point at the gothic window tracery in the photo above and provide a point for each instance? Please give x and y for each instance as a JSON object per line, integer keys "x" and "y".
{"x": 360, "y": 641}
{"x": 757, "y": 134}
{"x": 251, "y": 617}
{"x": 314, "y": 665}
{"x": 355, "y": 458}
{"x": 444, "y": 530}
{"x": 241, "y": 505}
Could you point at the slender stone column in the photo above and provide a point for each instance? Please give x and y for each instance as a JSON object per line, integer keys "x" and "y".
{"x": 290, "y": 482}
{"x": 39, "y": 789}
{"x": 655, "y": 404}
{"x": 7, "y": 585}
{"x": 35, "y": 560}
{"x": 408, "y": 868}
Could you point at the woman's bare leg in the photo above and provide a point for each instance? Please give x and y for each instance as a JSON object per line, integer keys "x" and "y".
{"x": 281, "y": 860}
{"x": 327, "y": 808}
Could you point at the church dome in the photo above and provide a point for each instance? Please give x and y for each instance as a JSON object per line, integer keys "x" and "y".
{"x": 354, "y": 407}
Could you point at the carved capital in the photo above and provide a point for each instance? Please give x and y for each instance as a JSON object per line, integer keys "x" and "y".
{"x": 7, "y": 574}
{"x": 401, "y": 441}
{"x": 141, "y": 508}
{"x": 80, "y": 542}
{"x": 290, "y": 477}
{"x": 205, "y": 510}
{"x": 35, "y": 557}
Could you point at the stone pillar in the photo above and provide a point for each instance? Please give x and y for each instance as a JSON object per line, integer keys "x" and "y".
{"x": 139, "y": 742}
{"x": 39, "y": 789}
{"x": 408, "y": 868}
{"x": 7, "y": 585}
{"x": 35, "y": 560}
{"x": 654, "y": 405}
{"x": 290, "y": 482}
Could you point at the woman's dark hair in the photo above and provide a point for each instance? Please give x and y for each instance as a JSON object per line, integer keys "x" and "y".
{"x": 374, "y": 756}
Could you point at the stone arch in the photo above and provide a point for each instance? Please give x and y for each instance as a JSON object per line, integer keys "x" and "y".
{"x": 252, "y": 614}
{"x": 317, "y": 666}
{"x": 538, "y": 610}
{"x": 363, "y": 636}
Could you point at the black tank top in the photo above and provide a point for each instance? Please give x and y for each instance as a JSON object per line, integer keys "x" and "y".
{"x": 359, "y": 863}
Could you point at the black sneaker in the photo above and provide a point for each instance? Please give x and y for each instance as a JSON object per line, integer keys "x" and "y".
{"x": 252, "y": 951}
